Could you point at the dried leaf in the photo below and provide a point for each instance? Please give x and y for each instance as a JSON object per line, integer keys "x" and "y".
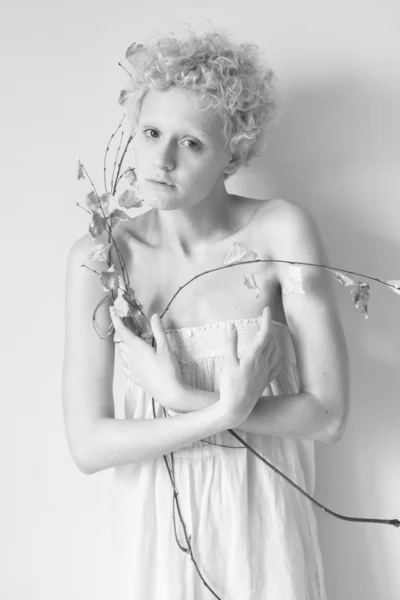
{"x": 134, "y": 305}
{"x": 109, "y": 279}
{"x": 131, "y": 51}
{"x": 127, "y": 307}
{"x": 342, "y": 278}
{"x": 80, "y": 173}
{"x": 292, "y": 280}
{"x": 92, "y": 202}
{"x": 361, "y": 297}
{"x": 239, "y": 253}
{"x": 120, "y": 304}
{"x": 396, "y": 283}
{"x": 121, "y": 283}
{"x": 113, "y": 204}
{"x": 250, "y": 282}
{"x": 128, "y": 199}
{"x": 122, "y": 97}
{"x": 126, "y": 302}
{"x": 98, "y": 253}
{"x": 107, "y": 201}
{"x": 130, "y": 175}
{"x": 99, "y": 204}
{"x": 97, "y": 226}
{"x": 117, "y": 217}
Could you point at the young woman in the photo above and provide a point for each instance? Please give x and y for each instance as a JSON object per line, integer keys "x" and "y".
{"x": 200, "y": 108}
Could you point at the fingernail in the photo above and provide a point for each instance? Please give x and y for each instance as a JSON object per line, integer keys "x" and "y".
{"x": 230, "y": 327}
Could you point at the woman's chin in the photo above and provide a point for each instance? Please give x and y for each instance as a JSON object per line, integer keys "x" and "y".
{"x": 161, "y": 203}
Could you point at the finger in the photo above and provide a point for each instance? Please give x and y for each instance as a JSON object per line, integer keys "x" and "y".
{"x": 271, "y": 349}
{"x": 266, "y": 321}
{"x": 159, "y": 332}
{"x": 117, "y": 322}
{"x": 230, "y": 348}
{"x": 275, "y": 372}
{"x": 276, "y": 355}
{"x": 262, "y": 338}
{"x": 265, "y": 324}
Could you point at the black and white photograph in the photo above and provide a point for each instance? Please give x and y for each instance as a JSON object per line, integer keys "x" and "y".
{"x": 201, "y": 300}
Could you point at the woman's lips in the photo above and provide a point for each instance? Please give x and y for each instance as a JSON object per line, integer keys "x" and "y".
{"x": 159, "y": 184}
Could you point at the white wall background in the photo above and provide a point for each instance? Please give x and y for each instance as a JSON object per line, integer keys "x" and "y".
{"x": 338, "y": 65}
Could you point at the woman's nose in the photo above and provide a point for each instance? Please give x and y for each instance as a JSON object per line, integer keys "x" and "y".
{"x": 164, "y": 156}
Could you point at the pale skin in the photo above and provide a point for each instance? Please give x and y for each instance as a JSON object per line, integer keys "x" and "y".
{"x": 189, "y": 229}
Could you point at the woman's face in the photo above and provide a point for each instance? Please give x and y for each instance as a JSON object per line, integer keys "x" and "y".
{"x": 176, "y": 142}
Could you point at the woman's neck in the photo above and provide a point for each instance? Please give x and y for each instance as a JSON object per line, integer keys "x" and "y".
{"x": 190, "y": 230}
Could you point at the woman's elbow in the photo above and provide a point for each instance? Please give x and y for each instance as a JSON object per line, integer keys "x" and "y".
{"x": 85, "y": 467}
{"x": 81, "y": 457}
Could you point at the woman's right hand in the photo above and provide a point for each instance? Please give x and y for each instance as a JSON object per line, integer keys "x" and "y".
{"x": 242, "y": 381}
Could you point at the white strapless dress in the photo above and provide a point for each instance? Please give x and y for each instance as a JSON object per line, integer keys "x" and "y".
{"x": 253, "y": 536}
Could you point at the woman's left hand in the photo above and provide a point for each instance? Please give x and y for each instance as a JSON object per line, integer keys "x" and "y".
{"x": 157, "y": 372}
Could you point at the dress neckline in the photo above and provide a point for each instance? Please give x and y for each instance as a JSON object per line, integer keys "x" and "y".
{"x": 183, "y": 330}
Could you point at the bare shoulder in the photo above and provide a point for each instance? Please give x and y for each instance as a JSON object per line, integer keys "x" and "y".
{"x": 272, "y": 212}
{"x": 293, "y": 235}
{"x": 79, "y": 252}
{"x": 297, "y": 238}
{"x": 289, "y": 222}
{"x": 282, "y": 212}
{"x": 82, "y": 246}
{"x": 275, "y": 217}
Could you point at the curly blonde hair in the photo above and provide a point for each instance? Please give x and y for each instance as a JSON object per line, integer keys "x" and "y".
{"x": 230, "y": 77}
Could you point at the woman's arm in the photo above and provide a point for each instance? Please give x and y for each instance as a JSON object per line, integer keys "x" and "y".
{"x": 96, "y": 439}
{"x": 300, "y": 415}
{"x": 115, "y": 442}
{"x": 320, "y": 410}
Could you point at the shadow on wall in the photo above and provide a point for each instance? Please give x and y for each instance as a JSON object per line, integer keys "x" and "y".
{"x": 337, "y": 139}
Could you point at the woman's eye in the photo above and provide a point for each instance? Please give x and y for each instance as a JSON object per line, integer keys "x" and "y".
{"x": 146, "y": 130}
{"x": 192, "y": 142}
{"x": 195, "y": 147}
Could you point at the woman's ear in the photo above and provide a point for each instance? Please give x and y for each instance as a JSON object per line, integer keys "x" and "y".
{"x": 232, "y": 166}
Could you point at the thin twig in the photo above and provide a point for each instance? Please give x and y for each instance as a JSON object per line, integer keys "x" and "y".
{"x": 122, "y": 160}
{"x": 115, "y": 161}
{"x": 105, "y": 155}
